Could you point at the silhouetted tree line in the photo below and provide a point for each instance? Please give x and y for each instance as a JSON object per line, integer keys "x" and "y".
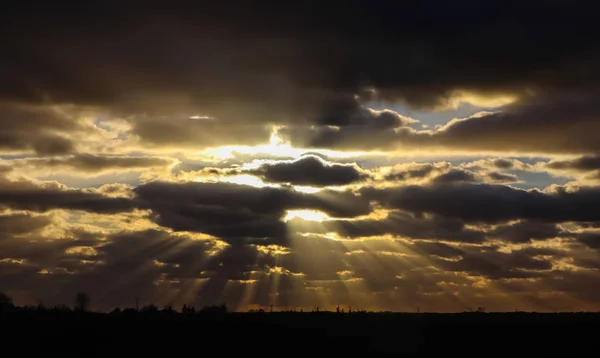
{"x": 81, "y": 304}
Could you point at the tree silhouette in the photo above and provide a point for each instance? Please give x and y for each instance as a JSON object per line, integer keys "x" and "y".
{"x": 82, "y": 301}
{"x": 6, "y": 302}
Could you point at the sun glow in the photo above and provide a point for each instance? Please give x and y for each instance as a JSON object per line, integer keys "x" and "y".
{"x": 276, "y": 147}
{"x": 246, "y": 180}
{"x": 308, "y": 215}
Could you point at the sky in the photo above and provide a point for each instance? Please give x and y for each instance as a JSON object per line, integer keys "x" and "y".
{"x": 432, "y": 155}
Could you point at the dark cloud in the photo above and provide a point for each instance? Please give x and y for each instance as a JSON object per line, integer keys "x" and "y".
{"x": 502, "y": 163}
{"x": 33, "y": 250}
{"x": 542, "y": 124}
{"x": 52, "y": 145}
{"x": 310, "y": 171}
{"x": 289, "y": 61}
{"x": 581, "y": 164}
{"x": 499, "y": 177}
{"x": 177, "y": 256}
{"x": 415, "y": 171}
{"x": 350, "y": 138}
{"x": 455, "y": 176}
{"x": 91, "y": 163}
{"x": 590, "y": 239}
{"x": 39, "y": 129}
{"x": 397, "y": 224}
{"x": 525, "y": 231}
{"x": 192, "y": 133}
{"x": 437, "y": 249}
{"x": 492, "y": 203}
{"x": 24, "y": 195}
{"x": 498, "y": 265}
{"x": 159, "y": 267}
{"x": 22, "y": 223}
{"x": 232, "y": 73}
{"x": 238, "y": 211}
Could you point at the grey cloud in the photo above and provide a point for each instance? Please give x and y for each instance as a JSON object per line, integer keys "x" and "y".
{"x": 492, "y": 203}
{"x": 590, "y": 239}
{"x": 24, "y": 195}
{"x": 92, "y": 163}
{"x": 400, "y": 59}
{"x": 39, "y": 129}
{"x": 238, "y": 211}
{"x": 398, "y": 224}
{"x": 455, "y": 176}
{"x": 22, "y": 223}
{"x": 151, "y": 263}
{"x": 417, "y": 171}
{"x": 542, "y": 124}
{"x": 190, "y": 133}
{"x": 525, "y": 231}
{"x": 437, "y": 249}
{"x": 581, "y": 164}
{"x": 34, "y": 250}
{"x": 498, "y": 265}
{"x": 502, "y": 163}
{"x": 499, "y": 177}
{"x": 310, "y": 170}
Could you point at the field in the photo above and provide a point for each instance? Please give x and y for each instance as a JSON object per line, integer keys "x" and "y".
{"x": 84, "y": 334}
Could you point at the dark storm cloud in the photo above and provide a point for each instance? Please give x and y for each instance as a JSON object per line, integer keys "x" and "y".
{"x": 498, "y": 265}
{"x": 437, "y": 249}
{"x": 237, "y": 211}
{"x": 492, "y": 203}
{"x": 545, "y": 123}
{"x": 525, "y": 231}
{"x": 22, "y": 223}
{"x": 348, "y": 112}
{"x": 590, "y": 239}
{"x": 289, "y": 62}
{"x": 222, "y": 73}
{"x": 308, "y": 170}
{"x": 38, "y": 253}
{"x": 21, "y": 240}
{"x": 353, "y": 137}
{"x": 311, "y": 171}
{"x": 35, "y": 129}
{"x": 91, "y": 163}
{"x": 397, "y": 224}
{"x": 24, "y": 195}
{"x": 581, "y": 164}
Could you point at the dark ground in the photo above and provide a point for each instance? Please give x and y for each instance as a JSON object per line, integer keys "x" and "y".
{"x": 289, "y": 334}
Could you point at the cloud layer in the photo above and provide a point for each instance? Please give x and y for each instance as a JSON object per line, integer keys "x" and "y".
{"x": 383, "y": 156}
